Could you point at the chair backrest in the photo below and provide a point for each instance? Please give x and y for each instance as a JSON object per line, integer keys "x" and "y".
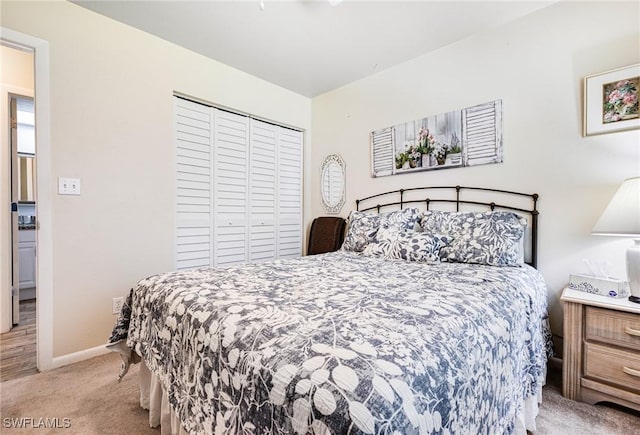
{"x": 326, "y": 235}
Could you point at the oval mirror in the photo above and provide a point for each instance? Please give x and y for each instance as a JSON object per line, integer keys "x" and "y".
{"x": 333, "y": 183}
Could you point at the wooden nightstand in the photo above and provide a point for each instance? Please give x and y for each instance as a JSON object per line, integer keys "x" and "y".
{"x": 601, "y": 361}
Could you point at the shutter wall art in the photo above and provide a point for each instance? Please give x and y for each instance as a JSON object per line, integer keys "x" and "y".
{"x": 467, "y": 137}
{"x": 382, "y": 152}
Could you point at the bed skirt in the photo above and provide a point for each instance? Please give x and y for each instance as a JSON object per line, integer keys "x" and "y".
{"x": 153, "y": 397}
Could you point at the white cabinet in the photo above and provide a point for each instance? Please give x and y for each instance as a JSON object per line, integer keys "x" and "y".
{"x": 27, "y": 258}
{"x": 239, "y": 188}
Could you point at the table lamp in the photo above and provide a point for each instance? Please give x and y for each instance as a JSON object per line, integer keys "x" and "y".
{"x": 622, "y": 218}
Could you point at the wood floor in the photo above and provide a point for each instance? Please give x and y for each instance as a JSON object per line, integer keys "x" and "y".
{"x": 18, "y": 346}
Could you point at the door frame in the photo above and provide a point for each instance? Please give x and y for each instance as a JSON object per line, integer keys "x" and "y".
{"x": 44, "y": 189}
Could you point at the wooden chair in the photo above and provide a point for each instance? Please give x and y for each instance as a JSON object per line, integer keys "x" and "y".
{"x": 326, "y": 235}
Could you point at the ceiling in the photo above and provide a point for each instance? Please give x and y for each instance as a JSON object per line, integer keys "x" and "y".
{"x": 312, "y": 47}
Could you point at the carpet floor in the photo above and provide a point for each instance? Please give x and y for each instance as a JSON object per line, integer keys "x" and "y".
{"x": 87, "y": 399}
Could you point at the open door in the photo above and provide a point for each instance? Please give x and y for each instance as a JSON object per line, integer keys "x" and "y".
{"x": 15, "y": 272}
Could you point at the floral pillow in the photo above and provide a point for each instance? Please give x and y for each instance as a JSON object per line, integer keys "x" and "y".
{"x": 421, "y": 246}
{"x": 388, "y": 233}
{"x": 405, "y": 219}
{"x": 492, "y": 238}
{"x": 436, "y": 221}
{"x": 392, "y": 243}
{"x": 363, "y": 226}
{"x": 362, "y": 231}
{"x": 389, "y": 249}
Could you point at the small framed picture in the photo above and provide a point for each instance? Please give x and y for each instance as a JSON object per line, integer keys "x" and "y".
{"x": 611, "y": 101}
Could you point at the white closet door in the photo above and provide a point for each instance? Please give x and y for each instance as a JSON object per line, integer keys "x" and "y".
{"x": 238, "y": 188}
{"x": 262, "y": 188}
{"x": 193, "y": 178}
{"x": 231, "y": 149}
{"x": 289, "y": 193}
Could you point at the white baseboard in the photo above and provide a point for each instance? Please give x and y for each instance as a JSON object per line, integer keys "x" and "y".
{"x": 75, "y": 357}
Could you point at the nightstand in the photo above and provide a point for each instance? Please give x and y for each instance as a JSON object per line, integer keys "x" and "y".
{"x": 601, "y": 361}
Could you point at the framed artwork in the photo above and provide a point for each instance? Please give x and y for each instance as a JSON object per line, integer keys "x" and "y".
{"x": 611, "y": 101}
{"x": 457, "y": 139}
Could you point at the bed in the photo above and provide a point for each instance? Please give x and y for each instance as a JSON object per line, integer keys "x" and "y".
{"x": 380, "y": 338}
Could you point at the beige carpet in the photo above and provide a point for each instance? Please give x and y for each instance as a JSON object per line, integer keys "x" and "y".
{"x": 88, "y": 395}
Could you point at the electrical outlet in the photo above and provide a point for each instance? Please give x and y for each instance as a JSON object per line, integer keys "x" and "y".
{"x": 117, "y": 304}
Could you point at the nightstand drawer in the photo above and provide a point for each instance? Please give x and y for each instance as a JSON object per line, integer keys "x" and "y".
{"x": 613, "y": 365}
{"x": 612, "y": 327}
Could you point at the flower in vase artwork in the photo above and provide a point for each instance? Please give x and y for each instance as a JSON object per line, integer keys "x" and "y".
{"x": 620, "y": 100}
{"x": 409, "y": 158}
{"x": 441, "y": 150}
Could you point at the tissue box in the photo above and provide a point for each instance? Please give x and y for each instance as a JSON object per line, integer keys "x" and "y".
{"x": 600, "y": 286}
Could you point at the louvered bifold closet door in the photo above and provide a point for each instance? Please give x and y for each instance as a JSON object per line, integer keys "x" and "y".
{"x": 193, "y": 181}
{"x": 231, "y": 147}
{"x": 289, "y": 193}
{"x": 262, "y": 191}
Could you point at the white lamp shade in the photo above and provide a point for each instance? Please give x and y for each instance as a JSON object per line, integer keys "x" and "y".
{"x": 622, "y": 215}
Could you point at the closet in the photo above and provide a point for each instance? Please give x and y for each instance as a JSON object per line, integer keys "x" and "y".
{"x": 239, "y": 188}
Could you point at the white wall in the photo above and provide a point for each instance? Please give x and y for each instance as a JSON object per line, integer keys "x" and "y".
{"x": 535, "y": 65}
{"x": 16, "y": 77}
{"x": 111, "y": 126}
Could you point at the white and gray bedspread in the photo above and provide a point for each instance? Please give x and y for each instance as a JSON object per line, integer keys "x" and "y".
{"x": 343, "y": 343}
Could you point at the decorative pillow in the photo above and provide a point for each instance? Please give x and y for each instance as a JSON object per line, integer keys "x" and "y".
{"x": 362, "y": 231}
{"x": 389, "y": 249}
{"x": 392, "y": 243}
{"x": 491, "y": 238}
{"x": 405, "y": 219}
{"x": 363, "y": 226}
{"x": 436, "y": 221}
{"x": 421, "y": 246}
{"x": 387, "y": 233}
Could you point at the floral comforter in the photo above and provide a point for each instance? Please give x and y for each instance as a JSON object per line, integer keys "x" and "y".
{"x": 343, "y": 343}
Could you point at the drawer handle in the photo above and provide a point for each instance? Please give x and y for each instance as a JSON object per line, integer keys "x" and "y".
{"x": 630, "y": 331}
{"x": 631, "y": 372}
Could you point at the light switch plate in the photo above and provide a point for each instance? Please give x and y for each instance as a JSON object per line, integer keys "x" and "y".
{"x": 68, "y": 186}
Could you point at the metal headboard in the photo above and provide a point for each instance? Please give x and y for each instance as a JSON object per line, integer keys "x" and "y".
{"x": 399, "y": 198}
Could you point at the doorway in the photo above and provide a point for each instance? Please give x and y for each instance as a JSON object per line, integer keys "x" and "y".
{"x": 23, "y": 198}
{"x": 18, "y": 347}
